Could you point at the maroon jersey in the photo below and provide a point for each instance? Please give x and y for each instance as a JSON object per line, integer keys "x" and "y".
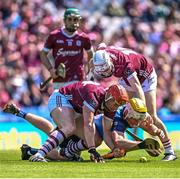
{"x": 69, "y": 50}
{"x": 87, "y": 93}
{"x": 127, "y": 61}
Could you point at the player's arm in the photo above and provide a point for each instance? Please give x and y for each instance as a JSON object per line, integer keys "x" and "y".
{"x": 89, "y": 57}
{"x": 90, "y": 54}
{"x": 121, "y": 145}
{"x": 89, "y": 133}
{"x": 149, "y": 127}
{"x": 107, "y": 124}
{"x": 89, "y": 128}
{"x": 136, "y": 85}
{"x": 45, "y": 56}
{"x": 121, "y": 142}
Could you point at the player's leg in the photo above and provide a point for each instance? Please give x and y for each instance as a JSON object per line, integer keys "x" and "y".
{"x": 27, "y": 151}
{"x": 65, "y": 121}
{"x": 149, "y": 88}
{"x": 151, "y": 105}
{"x": 62, "y": 113}
{"x": 56, "y": 153}
{"x": 39, "y": 122}
{"x": 74, "y": 148}
{"x": 60, "y": 154}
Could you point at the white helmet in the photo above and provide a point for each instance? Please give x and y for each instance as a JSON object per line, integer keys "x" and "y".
{"x": 102, "y": 63}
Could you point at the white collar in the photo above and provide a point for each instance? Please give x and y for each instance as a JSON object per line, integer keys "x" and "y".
{"x": 64, "y": 33}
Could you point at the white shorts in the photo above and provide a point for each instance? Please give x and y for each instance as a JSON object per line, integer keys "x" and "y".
{"x": 58, "y": 100}
{"x": 148, "y": 85}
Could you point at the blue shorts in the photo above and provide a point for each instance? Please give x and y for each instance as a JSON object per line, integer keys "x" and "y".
{"x": 58, "y": 100}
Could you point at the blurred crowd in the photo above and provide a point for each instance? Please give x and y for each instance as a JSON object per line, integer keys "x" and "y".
{"x": 151, "y": 27}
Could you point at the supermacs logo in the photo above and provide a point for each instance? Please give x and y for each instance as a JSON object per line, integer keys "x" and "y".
{"x": 65, "y": 53}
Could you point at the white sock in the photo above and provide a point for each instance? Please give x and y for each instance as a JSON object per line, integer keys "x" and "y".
{"x": 54, "y": 139}
{"x": 167, "y": 147}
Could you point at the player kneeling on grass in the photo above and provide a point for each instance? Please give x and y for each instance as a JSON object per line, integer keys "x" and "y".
{"x": 133, "y": 114}
{"x": 110, "y": 99}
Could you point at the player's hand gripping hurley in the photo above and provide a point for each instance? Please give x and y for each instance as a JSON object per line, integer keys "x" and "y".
{"x": 151, "y": 146}
{"x": 61, "y": 71}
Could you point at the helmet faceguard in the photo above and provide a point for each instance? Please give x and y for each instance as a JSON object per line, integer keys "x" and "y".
{"x": 102, "y": 64}
{"x": 117, "y": 95}
{"x": 135, "y": 109}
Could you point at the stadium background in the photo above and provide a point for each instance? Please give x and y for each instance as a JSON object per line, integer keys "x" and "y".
{"x": 148, "y": 26}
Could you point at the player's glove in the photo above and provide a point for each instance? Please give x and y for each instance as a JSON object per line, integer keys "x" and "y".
{"x": 95, "y": 156}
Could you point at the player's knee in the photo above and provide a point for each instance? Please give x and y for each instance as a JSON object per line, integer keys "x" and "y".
{"x": 56, "y": 128}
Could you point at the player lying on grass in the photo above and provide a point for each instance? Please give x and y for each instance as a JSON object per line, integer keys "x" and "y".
{"x": 73, "y": 147}
{"x": 133, "y": 114}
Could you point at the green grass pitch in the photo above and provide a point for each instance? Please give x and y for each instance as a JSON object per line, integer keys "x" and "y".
{"x": 11, "y": 166}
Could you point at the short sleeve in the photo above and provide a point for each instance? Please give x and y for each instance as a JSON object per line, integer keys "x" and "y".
{"x": 91, "y": 102}
{"x": 118, "y": 123}
{"x": 87, "y": 43}
{"x": 128, "y": 71}
{"x": 49, "y": 42}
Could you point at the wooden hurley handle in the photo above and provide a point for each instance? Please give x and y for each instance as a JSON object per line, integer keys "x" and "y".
{"x": 43, "y": 84}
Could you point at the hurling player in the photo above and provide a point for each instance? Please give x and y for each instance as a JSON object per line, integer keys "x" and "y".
{"x": 85, "y": 99}
{"x": 139, "y": 78}
{"x": 133, "y": 114}
{"x": 67, "y": 45}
